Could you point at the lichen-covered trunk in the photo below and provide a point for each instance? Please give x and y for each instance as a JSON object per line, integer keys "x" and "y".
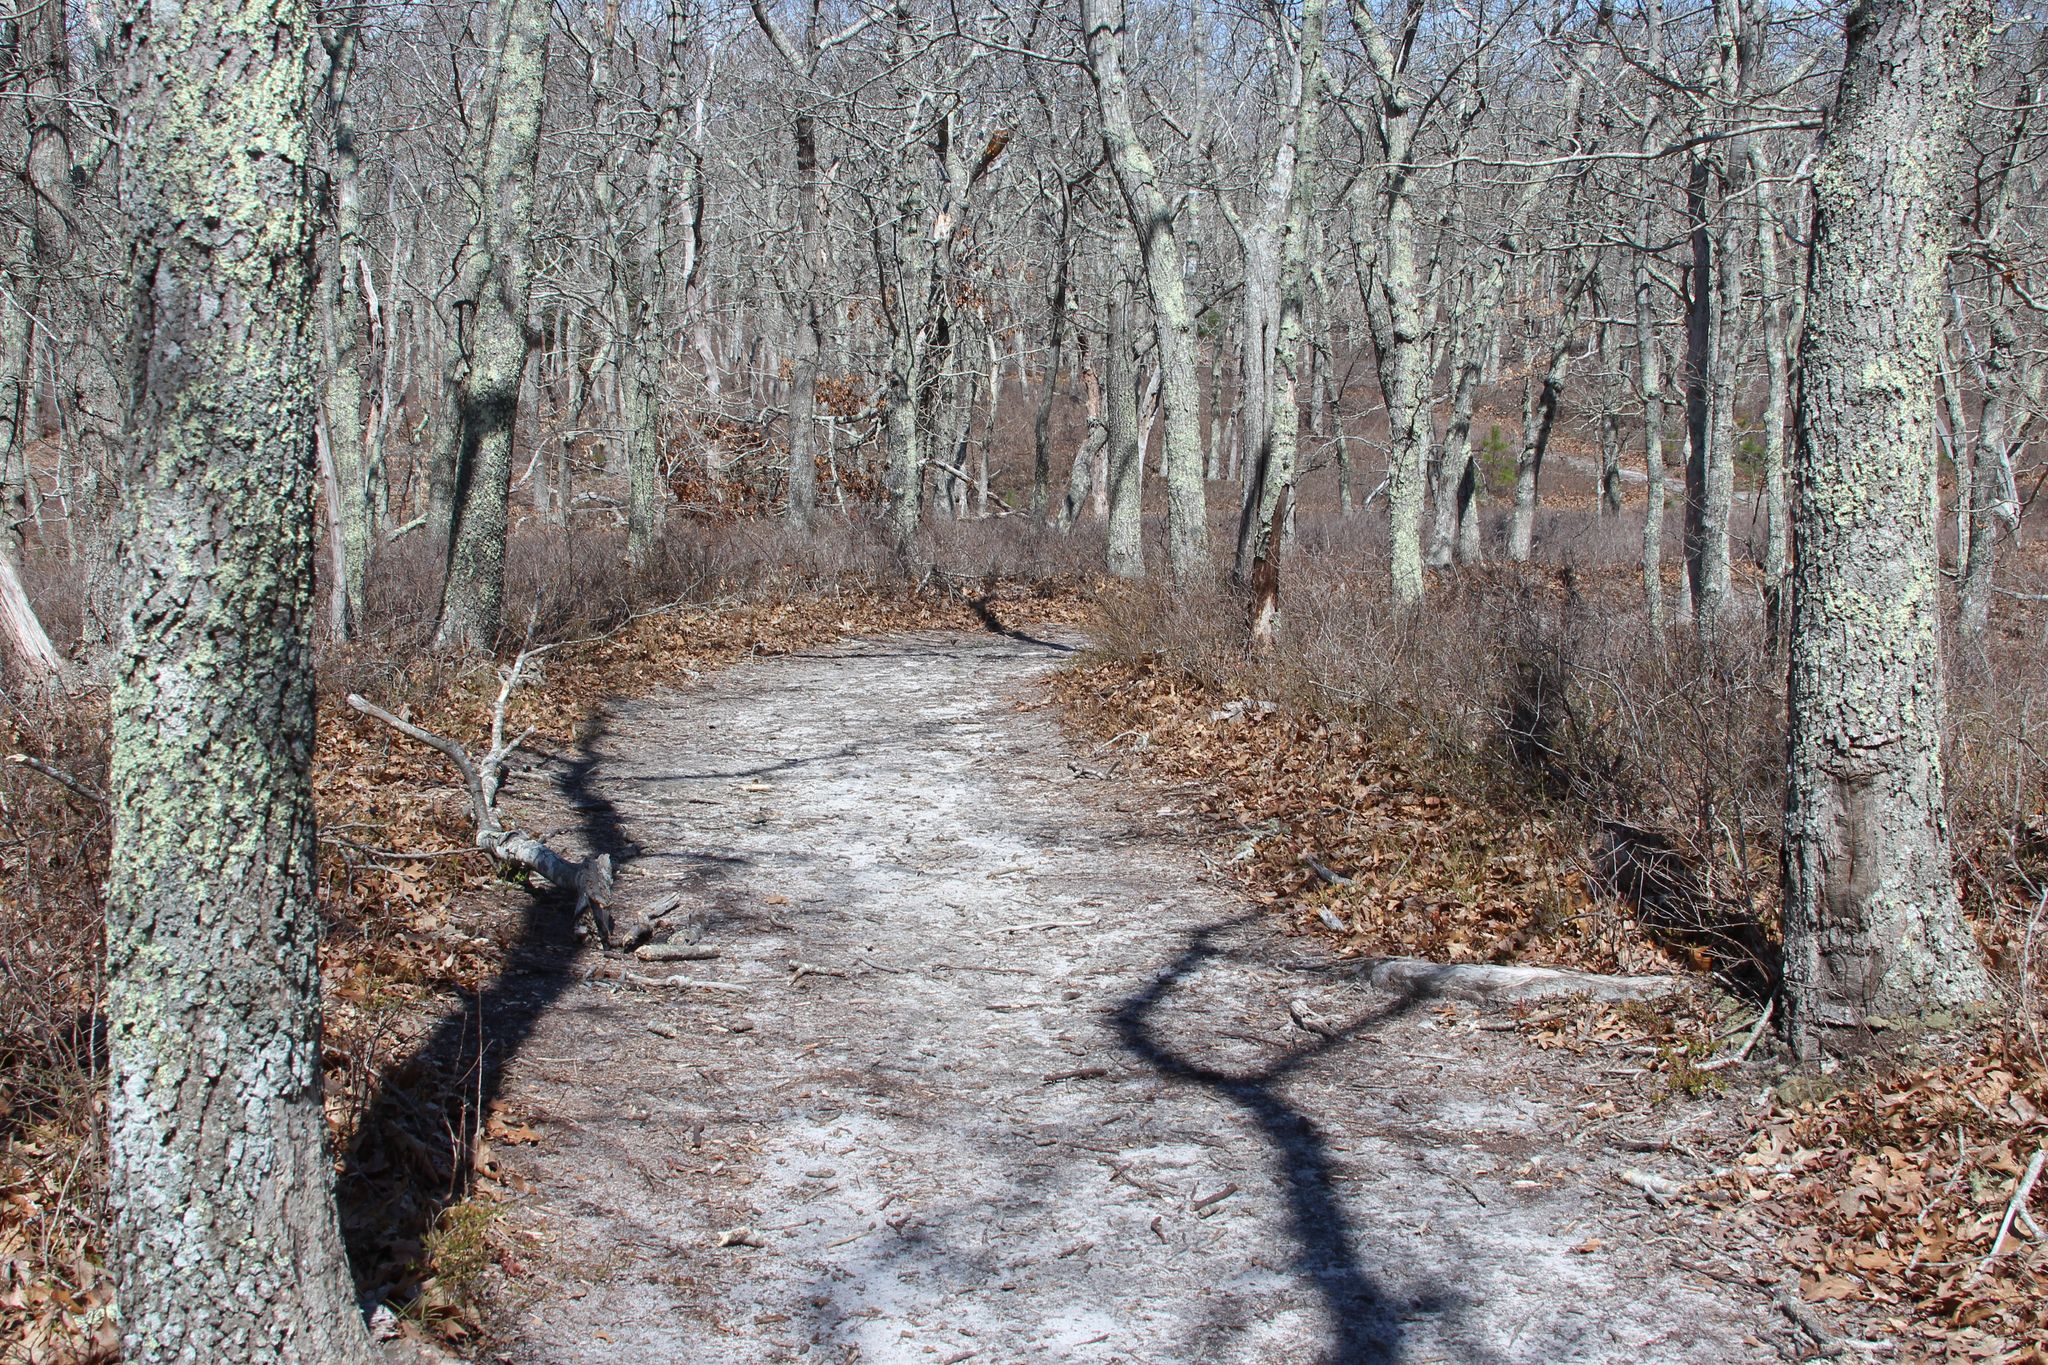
{"x": 1055, "y": 350}
{"x": 1539, "y": 418}
{"x": 905, "y": 473}
{"x": 1173, "y": 319}
{"x": 1404, "y": 379}
{"x": 1777, "y": 393}
{"x": 487, "y": 397}
{"x": 1125, "y": 454}
{"x": 1872, "y": 926}
{"x": 225, "y": 1242}
{"x": 640, "y": 410}
{"x": 346, "y": 319}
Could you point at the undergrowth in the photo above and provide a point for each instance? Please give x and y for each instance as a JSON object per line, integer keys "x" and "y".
{"x": 1524, "y": 773}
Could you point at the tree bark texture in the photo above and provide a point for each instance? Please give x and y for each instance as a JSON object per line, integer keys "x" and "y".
{"x": 1872, "y": 925}
{"x": 225, "y": 1239}
{"x": 497, "y": 339}
{"x": 1152, "y": 216}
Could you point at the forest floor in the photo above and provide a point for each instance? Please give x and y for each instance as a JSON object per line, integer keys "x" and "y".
{"x": 989, "y": 1067}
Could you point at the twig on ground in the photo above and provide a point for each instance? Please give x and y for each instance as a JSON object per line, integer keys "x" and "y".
{"x": 2017, "y": 1207}
{"x": 1755, "y": 1032}
{"x": 1047, "y": 924}
{"x": 1333, "y": 878}
{"x": 61, "y": 778}
{"x": 1079, "y": 1073}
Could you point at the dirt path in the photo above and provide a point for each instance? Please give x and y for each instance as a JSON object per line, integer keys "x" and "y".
{"x": 1050, "y": 1101}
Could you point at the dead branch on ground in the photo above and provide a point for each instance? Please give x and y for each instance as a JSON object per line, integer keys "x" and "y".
{"x": 590, "y": 879}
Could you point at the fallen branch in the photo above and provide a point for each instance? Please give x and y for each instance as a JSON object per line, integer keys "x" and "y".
{"x": 1482, "y": 983}
{"x": 61, "y": 778}
{"x": 674, "y": 952}
{"x": 2017, "y": 1207}
{"x": 590, "y": 879}
{"x": 1332, "y": 877}
{"x": 1755, "y": 1032}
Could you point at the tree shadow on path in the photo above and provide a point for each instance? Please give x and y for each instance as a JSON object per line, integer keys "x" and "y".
{"x": 415, "y": 1152}
{"x": 1365, "y": 1324}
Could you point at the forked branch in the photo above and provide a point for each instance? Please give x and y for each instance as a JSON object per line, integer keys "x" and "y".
{"x": 590, "y": 879}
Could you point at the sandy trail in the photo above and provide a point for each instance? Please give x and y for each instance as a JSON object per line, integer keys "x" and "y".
{"x": 1051, "y": 1102}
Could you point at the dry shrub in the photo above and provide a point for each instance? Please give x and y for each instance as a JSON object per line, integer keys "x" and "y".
{"x": 53, "y": 845}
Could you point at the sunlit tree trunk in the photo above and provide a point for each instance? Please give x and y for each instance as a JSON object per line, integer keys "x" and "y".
{"x": 1872, "y": 926}
{"x": 226, "y": 1246}
{"x": 1152, "y": 216}
{"x": 497, "y": 340}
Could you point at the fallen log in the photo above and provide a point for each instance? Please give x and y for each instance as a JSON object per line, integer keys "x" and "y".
{"x": 1485, "y": 983}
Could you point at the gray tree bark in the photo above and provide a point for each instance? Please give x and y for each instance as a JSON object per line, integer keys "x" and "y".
{"x": 1872, "y": 925}
{"x": 1152, "y": 216}
{"x": 1777, "y": 392}
{"x": 42, "y": 56}
{"x": 225, "y": 1240}
{"x": 348, "y": 316}
{"x": 1400, "y": 335}
{"x": 1124, "y": 451}
{"x": 498, "y": 340}
{"x": 1994, "y": 505}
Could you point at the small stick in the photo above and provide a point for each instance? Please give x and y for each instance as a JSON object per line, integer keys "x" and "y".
{"x": 1755, "y": 1032}
{"x": 1333, "y": 878}
{"x": 687, "y": 982}
{"x": 1208, "y": 1200}
{"x": 1079, "y": 1073}
{"x": 61, "y": 778}
{"x": 799, "y": 970}
{"x": 2017, "y": 1206}
{"x": 1047, "y": 924}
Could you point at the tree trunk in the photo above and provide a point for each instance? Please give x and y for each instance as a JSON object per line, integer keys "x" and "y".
{"x": 43, "y": 63}
{"x": 1401, "y": 336}
{"x": 1650, "y": 387}
{"x": 1125, "y": 454}
{"x": 347, "y": 319}
{"x": 1778, "y": 389}
{"x": 226, "y": 1246}
{"x": 1152, "y": 216}
{"x": 1872, "y": 925}
{"x": 487, "y": 398}
{"x": 1539, "y": 419}
{"x": 1055, "y": 351}
{"x": 1993, "y": 504}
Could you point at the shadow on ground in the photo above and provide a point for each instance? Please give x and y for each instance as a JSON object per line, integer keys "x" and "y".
{"x": 414, "y": 1154}
{"x": 1363, "y": 1318}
